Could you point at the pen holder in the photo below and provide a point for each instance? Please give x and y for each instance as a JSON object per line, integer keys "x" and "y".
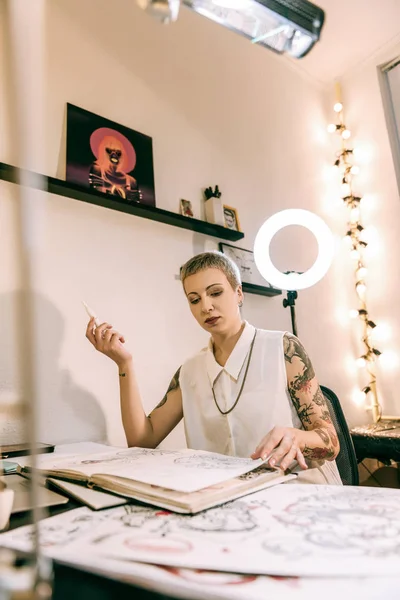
{"x": 214, "y": 211}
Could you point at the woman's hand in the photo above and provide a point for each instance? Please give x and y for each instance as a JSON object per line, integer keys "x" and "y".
{"x": 283, "y": 445}
{"x": 108, "y": 341}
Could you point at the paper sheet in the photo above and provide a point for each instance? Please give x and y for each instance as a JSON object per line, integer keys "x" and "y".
{"x": 181, "y": 470}
{"x": 295, "y": 530}
{"x": 197, "y": 584}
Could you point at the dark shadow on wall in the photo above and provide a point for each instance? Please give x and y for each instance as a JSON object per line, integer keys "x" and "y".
{"x": 65, "y": 411}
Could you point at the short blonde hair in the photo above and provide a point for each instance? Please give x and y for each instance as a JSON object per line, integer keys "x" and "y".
{"x": 212, "y": 260}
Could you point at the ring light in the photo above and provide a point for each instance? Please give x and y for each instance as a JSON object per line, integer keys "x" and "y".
{"x": 293, "y": 281}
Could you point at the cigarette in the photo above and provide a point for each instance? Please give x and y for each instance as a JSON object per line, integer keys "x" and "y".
{"x": 91, "y": 314}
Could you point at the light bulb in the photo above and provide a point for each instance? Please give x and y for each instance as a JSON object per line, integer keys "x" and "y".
{"x": 348, "y": 240}
{"x": 381, "y": 333}
{"x": 331, "y": 128}
{"x": 361, "y": 288}
{"x": 346, "y": 133}
{"x": 338, "y": 107}
{"x": 361, "y": 272}
{"x": 355, "y": 169}
{"x": 354, "y": 215}
{"x": 353, "y": 313}
{"x": 358, "y": 397}
{"x": 346, "y": 189}
{"x": 361, "y": 362}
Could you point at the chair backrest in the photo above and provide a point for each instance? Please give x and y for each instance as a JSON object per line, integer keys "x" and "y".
{"x": 346, "y": 460}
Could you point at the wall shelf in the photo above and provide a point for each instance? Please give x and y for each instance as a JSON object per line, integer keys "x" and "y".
{"x": 251, "y": 288}
{"x": 76, "y": 192}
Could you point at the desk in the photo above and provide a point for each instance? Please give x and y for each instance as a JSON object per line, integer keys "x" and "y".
{"x": 370, "y": 441}
{"x": 304, "y": 515}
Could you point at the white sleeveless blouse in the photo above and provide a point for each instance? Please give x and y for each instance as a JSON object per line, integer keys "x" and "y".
{"x": 263, "y": 404}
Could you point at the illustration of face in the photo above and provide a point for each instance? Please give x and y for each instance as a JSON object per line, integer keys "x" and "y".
{"x": 230, "y": 220}
{"x": 114, "y": 155}
{"x": 111, "y": 153}
{"x": 212, "y": 300}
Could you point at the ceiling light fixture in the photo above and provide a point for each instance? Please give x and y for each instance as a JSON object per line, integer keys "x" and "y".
{"x": 284, "y": 26}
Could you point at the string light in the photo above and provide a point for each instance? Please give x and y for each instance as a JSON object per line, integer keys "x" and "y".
{"x": 355, "y": 229}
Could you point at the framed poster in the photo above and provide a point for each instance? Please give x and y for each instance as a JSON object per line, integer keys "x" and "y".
{"x": 109, "y": 158}
{"x": 245, "y": 261}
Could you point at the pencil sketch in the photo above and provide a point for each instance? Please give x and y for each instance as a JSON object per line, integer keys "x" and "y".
{"x": 179, "y": 470}
{"x": 58, "y": 531}
{"x": 339, "y": 527}
{"x": 287, "y": 530}
{"x": 199, "y": 461}
{"x": 126, "y": 456}
{"x": 236, "y": 516}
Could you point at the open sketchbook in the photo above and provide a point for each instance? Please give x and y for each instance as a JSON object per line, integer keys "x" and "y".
{"x": 185, "y": 481}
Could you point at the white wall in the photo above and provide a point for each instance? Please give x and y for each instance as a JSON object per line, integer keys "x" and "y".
{"x": 220, "y": 111}
{"x": 380, "y": 210}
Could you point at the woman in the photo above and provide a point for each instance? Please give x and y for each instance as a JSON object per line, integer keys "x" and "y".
{"x": 251, "y": 392}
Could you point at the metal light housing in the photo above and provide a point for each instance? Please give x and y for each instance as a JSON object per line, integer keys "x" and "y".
{"x": 284, "y": 26}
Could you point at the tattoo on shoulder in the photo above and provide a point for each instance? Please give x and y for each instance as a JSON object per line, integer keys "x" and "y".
{"x": 174, "y": 385}
{"x": 292, "y": 347}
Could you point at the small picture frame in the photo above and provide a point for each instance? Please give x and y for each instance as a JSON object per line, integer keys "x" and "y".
{"x": 186, "y": 208}
{"x": 231, "y": 218}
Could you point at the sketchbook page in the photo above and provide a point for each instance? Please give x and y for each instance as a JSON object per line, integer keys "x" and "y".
{"x": 258, "y": 479}
{"x": 184, "y": 583}
{"x": 95, "y": 499}
{"x": 297, "y": 530}
{"x": 181, "y": 470}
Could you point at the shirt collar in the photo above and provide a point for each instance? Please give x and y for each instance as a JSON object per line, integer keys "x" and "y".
{"x": 236, "y": 359}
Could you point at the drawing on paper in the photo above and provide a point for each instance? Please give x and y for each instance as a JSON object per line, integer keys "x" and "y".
{"x": 126, "y": 457}
{"x": 233, "y": 517}
{"x": 286, "y": 530}
{"x": 338, "y": 525}
{"x": 199, "y": 461}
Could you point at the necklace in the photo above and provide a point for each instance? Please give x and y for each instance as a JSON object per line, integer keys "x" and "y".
{"x": 226, "y": 412}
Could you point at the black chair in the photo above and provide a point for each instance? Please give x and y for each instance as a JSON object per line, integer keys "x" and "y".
{"x": 346, "y": 460}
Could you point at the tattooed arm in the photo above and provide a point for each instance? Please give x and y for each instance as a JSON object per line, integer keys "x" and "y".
{"x": 319, "y": 440}
{"x": 148, "y": 431}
